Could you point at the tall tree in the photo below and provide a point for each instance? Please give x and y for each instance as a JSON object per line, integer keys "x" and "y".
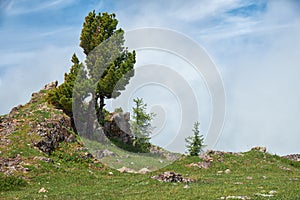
{"x": 195, "y": 143}
{"x": 109, "y": 63}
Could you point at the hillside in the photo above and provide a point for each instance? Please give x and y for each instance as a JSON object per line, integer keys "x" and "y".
{"x": 41, "y": 157}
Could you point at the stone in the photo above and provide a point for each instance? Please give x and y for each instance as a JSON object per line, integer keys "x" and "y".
{"x": 236, "y": 197}
{"x": 206, "y": 158}
{"x": 186, "y": 187}
{"x": 201, "y": 165}
{"x": 127, "y": 170}
{"x": 273, "y": 192}
{"x": 43, "y": 190}
{"x": 264, "y": 195}
{"x": 227, "y": 171}
{"x": 14, "y": 111}
{"x": 71, "y": 138}
{"x": 249, "y": 177}
{"x": 144, "y": 171}
{"x": 44, "y": 159}
{"x": 260, "y": 149}
{"x": 293, "y": 157}
{"x": 172, "y": 177}
{"x": 110, "y": 173}
{"x": 118, "y": 127}
{"x": 51, "y": 85}
{"x": 285, "y": 168}
{"x": 104, "y": 153}
{"x": 53, "y": 131}
{"x": 126, "y": 116}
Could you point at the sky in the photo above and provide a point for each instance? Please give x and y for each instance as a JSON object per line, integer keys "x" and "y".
{"x": 255, "y": 46}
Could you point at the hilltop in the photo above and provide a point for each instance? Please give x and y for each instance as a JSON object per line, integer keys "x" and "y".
{"x": 42, "y": 157}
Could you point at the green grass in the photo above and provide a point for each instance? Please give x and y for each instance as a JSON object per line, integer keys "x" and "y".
{"x": 11, "y": 183}
{"x": 127, "y": 159}
{"x": 72, "y": 176}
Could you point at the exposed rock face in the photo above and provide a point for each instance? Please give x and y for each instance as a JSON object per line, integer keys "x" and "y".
{"x": 294, "y": 157}
{"x": 7, "y": 125}
{"x": 260, "y": 149}
{"x": 9, "y": 165}
{"x": 51, "y": 85}
{"x": 172, "y": 177}
{"x": 118, "y": 127}
{"x": 14, "y": 111}
{"x": 53, "y": 131}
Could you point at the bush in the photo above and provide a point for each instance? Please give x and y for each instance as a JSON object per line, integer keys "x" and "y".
{"x": 11, "y": 183}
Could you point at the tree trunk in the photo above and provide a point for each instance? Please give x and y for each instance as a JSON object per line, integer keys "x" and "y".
{"x": 90, "y": 121}
{"x": 100, "y": 111}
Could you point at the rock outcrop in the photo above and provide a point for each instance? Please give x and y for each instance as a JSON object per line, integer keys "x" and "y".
{"x": 293, "y": 157}
{"x": 118, "y": 127}
{"x": 53, "y": 131}
{"x": 172, "y": 177}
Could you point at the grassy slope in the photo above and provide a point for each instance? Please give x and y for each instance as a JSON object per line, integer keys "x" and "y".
{"x": 74, "y": 178}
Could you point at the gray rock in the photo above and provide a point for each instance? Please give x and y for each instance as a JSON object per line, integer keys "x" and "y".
{"x": 172, "y": 177}
{"x": 104, "y": 153}
{"x": 51, "y": 85}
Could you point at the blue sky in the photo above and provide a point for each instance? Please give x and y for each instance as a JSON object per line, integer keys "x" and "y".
{"x": 255, "y": 44}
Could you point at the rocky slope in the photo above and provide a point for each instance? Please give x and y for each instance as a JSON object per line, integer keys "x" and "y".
{"x": 32, "y": 131}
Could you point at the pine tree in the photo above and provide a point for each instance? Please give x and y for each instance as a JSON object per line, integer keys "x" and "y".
{"x": 61, "y": 97}
{"x": 195, "y": 143}
{"x": 141, "y": 125}
{"x": 109, "y": 63}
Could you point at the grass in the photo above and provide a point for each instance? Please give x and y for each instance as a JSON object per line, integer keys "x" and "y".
{"x": 127, "y": 159}
{"x": 71, "y": 176}
{"x": 11, "y": 183}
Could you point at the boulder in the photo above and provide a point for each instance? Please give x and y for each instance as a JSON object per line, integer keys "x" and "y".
{"x": 260, "y": 149}
{"x": 14, "y": 111}
{"x": 104, "y": 153}
{"x": 127, "y": 170}
{"x": 144, "y": 171}
{"x": 118, "y": 127}
{"x": 51, "y": 85}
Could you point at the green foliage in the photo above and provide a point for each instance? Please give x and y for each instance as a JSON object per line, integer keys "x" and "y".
{"x": 11, "y": 183}
{"x": 109, "y": 66}
{"x": 96, "y": 29}
{"x": 62, "y": 97}
{"x": 118, "y": 110}
{"x": 195, "y": 143}
{"x": 141, "y": 125}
